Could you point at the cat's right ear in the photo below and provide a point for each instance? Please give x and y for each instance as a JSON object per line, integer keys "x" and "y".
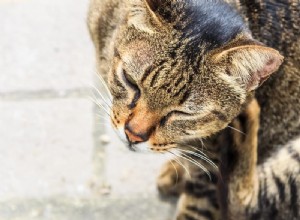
{"x": 250, "y": 65}
{"x": 144, "y": 15}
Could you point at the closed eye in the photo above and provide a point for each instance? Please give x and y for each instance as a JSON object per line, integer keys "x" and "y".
{"x": 129, "y": 80}
{"x": 170, "y": 114}
{"x": 133, "y": 85}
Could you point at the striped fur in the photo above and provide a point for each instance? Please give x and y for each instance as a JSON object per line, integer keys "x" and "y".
{"x": 180, "y": 70}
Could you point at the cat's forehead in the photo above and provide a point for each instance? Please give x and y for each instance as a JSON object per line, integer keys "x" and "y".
{"x": 137, "y": 53}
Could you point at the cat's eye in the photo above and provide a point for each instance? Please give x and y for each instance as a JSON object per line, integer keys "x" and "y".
{"x": 178, "y": 113}
{"x": 129, "y": 79}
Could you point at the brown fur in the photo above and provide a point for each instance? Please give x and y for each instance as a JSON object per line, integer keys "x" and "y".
{"x": 167, "y": 95}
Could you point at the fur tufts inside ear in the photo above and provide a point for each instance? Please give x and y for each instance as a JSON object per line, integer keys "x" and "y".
{"x": 143, "y": 14}
{"x": 250, "y": 64}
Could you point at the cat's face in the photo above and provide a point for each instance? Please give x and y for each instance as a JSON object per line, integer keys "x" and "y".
{"x": 168, "y": 90}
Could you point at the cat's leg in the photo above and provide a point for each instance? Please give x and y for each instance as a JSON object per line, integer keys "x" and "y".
{"x": 199, "y": 199}
{"x": 174, "y": 173}
{"x": 267, "y": 191}
{"x": 198, "y": 192}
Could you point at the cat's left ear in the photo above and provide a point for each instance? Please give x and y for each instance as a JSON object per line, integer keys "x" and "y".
{"x": 251, "y": 65}
{"x": 144, "y": 14}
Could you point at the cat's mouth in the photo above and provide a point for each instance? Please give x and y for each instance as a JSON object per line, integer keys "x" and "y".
{"x": 151, "y": 147}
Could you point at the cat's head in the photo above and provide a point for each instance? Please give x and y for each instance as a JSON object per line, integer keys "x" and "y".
{"x": 183, "y": 69}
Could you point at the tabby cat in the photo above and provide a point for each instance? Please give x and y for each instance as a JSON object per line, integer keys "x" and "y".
{"x": 183, "y": 73}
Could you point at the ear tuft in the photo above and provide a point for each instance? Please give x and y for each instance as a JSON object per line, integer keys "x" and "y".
{"x": 251, "y": 64}
{"x": 143, "y": 14}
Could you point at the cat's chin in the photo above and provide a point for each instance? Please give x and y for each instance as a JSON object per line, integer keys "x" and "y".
{"x": 147, "y": 147}
{"x": 141, "y": 147}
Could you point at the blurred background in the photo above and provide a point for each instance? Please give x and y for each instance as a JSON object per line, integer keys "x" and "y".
{"x": 58, "y": 157}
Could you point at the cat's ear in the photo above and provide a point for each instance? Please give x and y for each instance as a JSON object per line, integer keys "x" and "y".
{"x": 251, "y": 65}
{"x": 143, "y": 14}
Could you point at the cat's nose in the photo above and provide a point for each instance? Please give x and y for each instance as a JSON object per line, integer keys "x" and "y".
{"x": 135, "y": 137}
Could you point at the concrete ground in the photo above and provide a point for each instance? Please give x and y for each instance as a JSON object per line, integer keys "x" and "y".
{"x": 58, "y": 159}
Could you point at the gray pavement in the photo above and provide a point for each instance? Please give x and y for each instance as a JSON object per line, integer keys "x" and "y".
{"x": 58, "y": 158}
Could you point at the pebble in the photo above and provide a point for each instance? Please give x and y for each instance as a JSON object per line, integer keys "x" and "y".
{"x": 105, "y": 139}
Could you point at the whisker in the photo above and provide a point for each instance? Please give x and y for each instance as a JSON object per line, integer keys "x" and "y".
{"x": 170, "y": 160}
{"x": 201, "y": 157}
{"x": 102, "y": 123}
{"x": 203, "y": 145}
{"x": 196, "y": 149}
{"x": 119, "y": 136}
{"x": 178, "y": 161}
{"x": 207, "y": 155}
{"x": 105, "y": 86}
{"x": 236, "y": 130}
{"x": 100, "y": 93}
{"x": 102, "y": 116}
{"x": 99, "y": 105}
{"x": 191, "y": 160}
{"x": 105, "y": 101}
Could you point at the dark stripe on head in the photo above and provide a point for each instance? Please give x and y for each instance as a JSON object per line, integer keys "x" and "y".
{"x": 185, "y": 96}
{"x": 178, "y": 81}
{"x": 150, "y": 69}
{"x": 154, "y": 77}
{"x": 180, "y": 90}
{"x": 280, "y": 187}
{"x": 201, "y": 212}
{"x": 147, "y": 72}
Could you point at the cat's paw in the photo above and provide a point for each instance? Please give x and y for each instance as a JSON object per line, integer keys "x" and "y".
{"x": 170, "y": 181}
{"x": 246, "y": 125}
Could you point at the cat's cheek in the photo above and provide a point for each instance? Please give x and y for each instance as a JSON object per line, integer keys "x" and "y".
{"x": 118, "y": 117}
{"x": 160, "y": 142}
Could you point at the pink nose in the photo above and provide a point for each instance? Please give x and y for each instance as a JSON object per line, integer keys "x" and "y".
{"x": 133, "y": 138}
{"x": 141, "y": 124}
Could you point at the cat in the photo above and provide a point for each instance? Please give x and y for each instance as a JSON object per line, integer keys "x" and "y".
{"x": 212, "y": 82}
